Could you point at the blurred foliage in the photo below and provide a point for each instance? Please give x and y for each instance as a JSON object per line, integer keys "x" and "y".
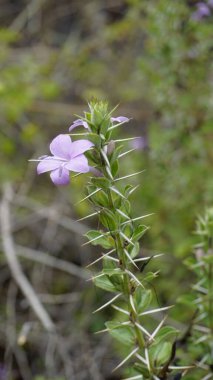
{"x": 154, "y": 59}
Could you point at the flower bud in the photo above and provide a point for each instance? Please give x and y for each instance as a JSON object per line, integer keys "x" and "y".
{"x": 110, "y": 147}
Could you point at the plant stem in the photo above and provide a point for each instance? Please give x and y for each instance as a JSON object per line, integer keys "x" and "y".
{"x": 127, "y": 282}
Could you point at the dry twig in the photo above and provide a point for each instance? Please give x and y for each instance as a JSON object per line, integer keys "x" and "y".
{"x": 11, "y": 256}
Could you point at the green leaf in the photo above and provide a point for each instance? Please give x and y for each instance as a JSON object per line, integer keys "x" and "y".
{"x": 108, "y": 264}
{"x": 139, "y": 232}
{"x": 135, "y": 250}
{"x": 93, "y": 156}
{"x": 123, "y": 334}
{"x": 118, "y": 283}
{"x": 113, "y": 272}
{"x": 128, "y": 189}
{"x": 126, "y": 206}
{"x": 114, "y": 168}
{"x": 100, "y": 199}
{"x": 96, "y": 238}
{"x": 114, "y": 156}
{"x": 140, "y": 368}
{"x": 95, "y": 139}
{"x": 101, "y": 182}
{"x": 160, "y": 354}
{"x": 143, "y": 298}
{"x": 108, "y": 219}
{"x": 127, "y": 230}
{"x": 166, "y": 332}
{"x": 104, "y": 282}
{"x": 105, "y": 125}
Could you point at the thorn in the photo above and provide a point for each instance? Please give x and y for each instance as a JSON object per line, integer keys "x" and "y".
{"x": 116, "y": 126}
{"x": 100, "y": 258}
{"x": 122, "y": 214}
{"x": 130, "y": 175}
{"x": 139, "y": 377}
{"x": 143, "y": 330}
{"x": 107, "y": 303}
{"x": 148, "y": 257}
{"x": 105, "y": 157}
{"x": 126, "y": 238}
{"x": 130, "y": 259}
{"x": 132, "y": 303}
{"x": 128, "y": 139}
{"x": 94, "y": 277}
{"x": 76, "y": 175}
{"x": 141, "y": 359}
{"x": 127, "y": 358}
{"x": 158, "y": 327}
{"x": 173, "y": 367}
{"x": 88, "y": 196}
{"x": 134, "y": 188}
{"x": 114, "y": 109}
{"x": 101, "y": 331}
{"x": 121, "y": 324}
{"x": 109, "y": 172}
{"x": 125, "y": 153}
{"x": 120, "y": 309}
{"x": 156, "y": 310}
{"x": 88, "y": 216}
{"x": 147, "y": 359}
{"x": 35, "y": 160}
{"x": 138, "y": 218}
{"x": 112, "y": 258}
{"x": 96, "y": 238}
{"x": 117, "y": 192}
{"x": 78, "y": 134}
{"x": 134, "y": 278}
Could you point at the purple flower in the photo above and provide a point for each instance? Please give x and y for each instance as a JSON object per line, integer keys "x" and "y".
{"x": 201, "y": 12}
{"x": 67, "y": 156}
{"x": 139, "y": 143}
{"x": 78, "y": 122}
{"x": 210, "y": 3}
{"x": 120, "y": 119}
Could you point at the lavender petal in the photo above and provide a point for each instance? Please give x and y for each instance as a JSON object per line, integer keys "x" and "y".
{"x": 79, "y": 147}
{"x": 60, "y": 176}
{"x": 78, "y": 164}
{"x": 120, "y": 119}
{"x": 61, "y": 146}
{"x": 48, "y": 164}
{"x": 77, "y": 123}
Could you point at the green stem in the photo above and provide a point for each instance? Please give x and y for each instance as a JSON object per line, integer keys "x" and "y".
{"x": 127, "y": 285}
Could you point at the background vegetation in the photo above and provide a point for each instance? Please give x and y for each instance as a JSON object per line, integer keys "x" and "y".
{"x": 154, "y": 58}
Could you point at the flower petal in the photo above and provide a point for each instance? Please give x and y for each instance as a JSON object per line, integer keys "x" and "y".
{"x": 120, "y": 119}
{"x": 61, "y": 146}
{"x": 78, "y": 164}
{"x": 78, "y": 122}
{"x": 60, "y": 176}
{"x": 47, "y": 164}
{"x": 80, "y": 146}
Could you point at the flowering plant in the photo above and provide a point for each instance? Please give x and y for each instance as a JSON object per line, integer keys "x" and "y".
{"x": 124, "y": 273}
{"x": 200, "y": 299}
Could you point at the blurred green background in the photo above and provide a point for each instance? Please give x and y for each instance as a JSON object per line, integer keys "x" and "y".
{"x": 154, "y": 59}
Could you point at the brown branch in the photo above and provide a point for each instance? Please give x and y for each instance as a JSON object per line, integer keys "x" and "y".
{"x": 13, "y": 263}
